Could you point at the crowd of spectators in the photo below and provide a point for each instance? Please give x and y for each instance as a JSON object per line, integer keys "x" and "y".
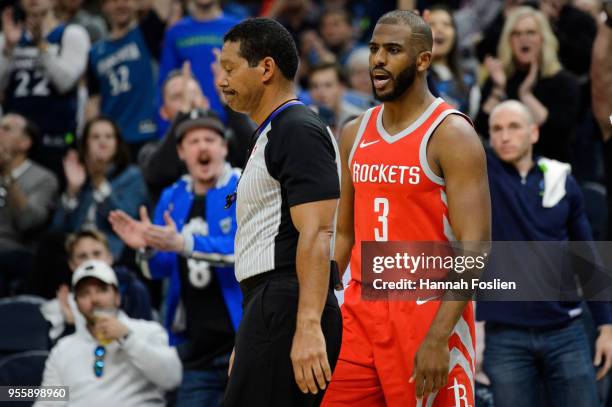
{"x": 110, "y": 110}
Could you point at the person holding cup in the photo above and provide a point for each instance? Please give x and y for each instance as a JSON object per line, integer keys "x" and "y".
{"x": 113, "y": 359}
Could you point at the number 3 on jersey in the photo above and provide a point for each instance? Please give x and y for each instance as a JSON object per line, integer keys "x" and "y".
{"x": 381, "y": 207}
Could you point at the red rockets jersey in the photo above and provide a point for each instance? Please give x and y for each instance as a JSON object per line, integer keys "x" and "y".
{"x": 397, "y": 195}
{"x": 397, "y": 198}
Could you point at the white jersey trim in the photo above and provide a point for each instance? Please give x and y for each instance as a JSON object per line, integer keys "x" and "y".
{"x": 362, "y": 127}
{"x": 423, "y": 147}
{"x": 415, "y": 125}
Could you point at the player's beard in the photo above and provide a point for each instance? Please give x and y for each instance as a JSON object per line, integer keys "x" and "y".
{"x": 401, "y": 83}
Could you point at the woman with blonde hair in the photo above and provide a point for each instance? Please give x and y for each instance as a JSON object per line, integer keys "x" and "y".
{"x": 528, "y": 69}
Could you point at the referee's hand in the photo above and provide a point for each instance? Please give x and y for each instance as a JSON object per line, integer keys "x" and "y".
{"x": 309, "y": 358}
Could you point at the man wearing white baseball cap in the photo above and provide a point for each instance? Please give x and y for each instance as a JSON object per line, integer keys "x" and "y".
{"x": 113, "y": 360}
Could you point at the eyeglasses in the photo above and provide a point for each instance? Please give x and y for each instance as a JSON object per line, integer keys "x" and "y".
{"x": 98, "y": 366}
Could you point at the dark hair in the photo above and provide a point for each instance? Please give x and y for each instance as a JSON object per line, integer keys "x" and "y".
{"x": 121, "y": 159}
{"x": 324, "y": 66}
{"x": 421, "y": 38}
{"x": 453, "y": 55}
{"x": 263, "y": 37}
{"x": 30, "y": 129}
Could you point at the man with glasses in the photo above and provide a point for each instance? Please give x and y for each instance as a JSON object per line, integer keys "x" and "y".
{"x": 113, "y": 360}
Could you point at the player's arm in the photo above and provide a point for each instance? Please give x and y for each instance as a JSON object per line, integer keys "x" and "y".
{"x": 456, "y": 154}
{"x": 345, "y": 228}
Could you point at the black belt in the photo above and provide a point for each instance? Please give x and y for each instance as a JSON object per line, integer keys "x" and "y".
{"x": 251, "y": 283}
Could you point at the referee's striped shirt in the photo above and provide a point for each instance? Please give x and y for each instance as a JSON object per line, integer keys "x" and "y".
{"x": 294, "y": 161}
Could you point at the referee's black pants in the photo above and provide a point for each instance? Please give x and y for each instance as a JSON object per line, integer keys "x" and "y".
{"x": 262, "y": 374}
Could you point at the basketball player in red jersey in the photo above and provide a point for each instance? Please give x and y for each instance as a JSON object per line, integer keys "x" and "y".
{"x": 413, "y": 169}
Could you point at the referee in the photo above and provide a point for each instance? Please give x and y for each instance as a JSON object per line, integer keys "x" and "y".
{"x": 289, "y": 339}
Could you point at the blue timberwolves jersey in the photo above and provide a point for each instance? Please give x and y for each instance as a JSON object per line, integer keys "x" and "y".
{"x": 121, "y": 71}
{"x": 31, "y": 93}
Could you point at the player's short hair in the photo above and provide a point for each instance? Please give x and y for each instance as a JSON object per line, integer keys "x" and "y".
{"x": 421, "y": 37}
{"x": 74, "y": 238}
{"x": 263, "y": 37}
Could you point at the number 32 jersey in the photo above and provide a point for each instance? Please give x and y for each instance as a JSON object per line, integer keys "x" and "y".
{"x": 121, "y": 71}
{"x": 398, "y": 197}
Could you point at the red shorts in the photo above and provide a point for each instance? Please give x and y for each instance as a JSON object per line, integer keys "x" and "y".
{"x": 379, "y": 342}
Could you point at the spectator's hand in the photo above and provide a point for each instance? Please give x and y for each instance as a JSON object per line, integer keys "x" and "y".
{"x": 192, "y": 96}
{"x": 530, "y": 80}
{"x": 309, "y": 358}
{"x": 308, "y": 39}
{"x": 11, "y": 30}
{"x": 496, "y": 70}
{"x": 62, "y": 297}
{"x": 603, "y": 350}
{"x": 430, "y": 367}
{"x": 312, "y": 43}
{"x": 165, "y": 238}
{"x": 75, "y": 173}
{"x": 176, "y": 13}
{"x": 425, "y": 15}
{"x": 130, "y": 230}
{"x": 110, "y": 328}
{"x": 35, "y": 27}
{"x": 5, "y": 160}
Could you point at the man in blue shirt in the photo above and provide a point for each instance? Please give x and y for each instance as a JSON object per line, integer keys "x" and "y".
{"x": 193, "y": 39}
{"x": 531, "y": 346}
{"x": 120, "y": 74}
{"x": 191, "y": 241}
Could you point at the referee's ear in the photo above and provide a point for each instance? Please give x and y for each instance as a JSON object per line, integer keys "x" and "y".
{"x": 269, "y": 68}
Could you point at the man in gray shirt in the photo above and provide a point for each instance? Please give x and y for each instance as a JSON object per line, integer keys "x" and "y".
{"x": 27, "y": 194}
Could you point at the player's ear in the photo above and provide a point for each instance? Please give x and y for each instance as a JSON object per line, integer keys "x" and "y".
{"x": 423, "y": 61}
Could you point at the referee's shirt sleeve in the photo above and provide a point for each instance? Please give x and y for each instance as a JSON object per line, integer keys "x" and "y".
{"x": 303, "y": 159}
